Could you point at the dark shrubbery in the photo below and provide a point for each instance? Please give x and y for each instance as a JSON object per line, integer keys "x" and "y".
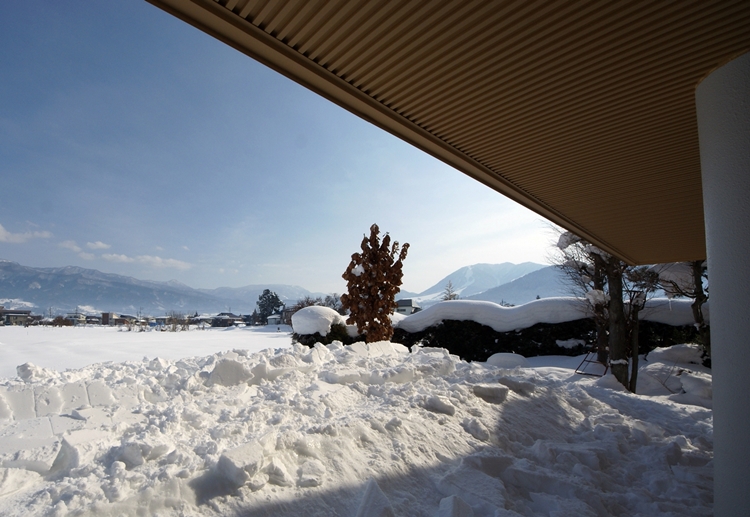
{"x": 338, "y": 333}
{"x": 473, "y": 341}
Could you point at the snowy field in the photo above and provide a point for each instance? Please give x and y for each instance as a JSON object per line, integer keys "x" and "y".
{"x": 239, "y": 422}
{"x": 62, "y": 348}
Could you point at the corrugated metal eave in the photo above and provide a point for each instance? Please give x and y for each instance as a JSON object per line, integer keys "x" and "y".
{"x": 486, "y": 147}
{"x": 221, "y": 24}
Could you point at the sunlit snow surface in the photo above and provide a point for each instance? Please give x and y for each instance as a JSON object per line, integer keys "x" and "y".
{"x": 369, "y": 430}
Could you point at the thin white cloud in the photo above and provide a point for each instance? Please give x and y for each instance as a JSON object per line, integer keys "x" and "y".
{"x": 148, "y": 260}
{"x": 114, "y": 257}
{"x": 17, "y": 238}
{"x": 71, "y": 245}
{"x": 98, "y": 245}
{"x": 159, "y": 262}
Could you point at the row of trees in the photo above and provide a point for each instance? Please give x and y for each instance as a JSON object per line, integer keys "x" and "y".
{"x": 617, "y": 292}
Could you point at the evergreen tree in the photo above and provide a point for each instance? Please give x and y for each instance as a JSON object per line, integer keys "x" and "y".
{"x": 449, "y": 293}
{"x": 268, "y": 303}
{"x": 373, "y": 279}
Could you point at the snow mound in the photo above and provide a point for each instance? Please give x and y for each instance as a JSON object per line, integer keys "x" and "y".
{"x": 309, "y": 320}
{"x": 507, "y": 360}
{"x": 499, "y": 318}
{"x": 545, "y": 310}
{"x": 371, "y": 429}
{"x": 683, "y": 354}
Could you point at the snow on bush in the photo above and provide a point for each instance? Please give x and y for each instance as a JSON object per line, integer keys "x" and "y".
{"x": 316, "y": 319}
{"x": 497, "y": 317}
{"x": 545, "y": 310}
{"x": 675, "y": 312}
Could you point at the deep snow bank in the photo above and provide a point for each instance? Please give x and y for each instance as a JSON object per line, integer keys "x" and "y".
{"x": 545, "y": 310}
{"x": 367, "y": 429}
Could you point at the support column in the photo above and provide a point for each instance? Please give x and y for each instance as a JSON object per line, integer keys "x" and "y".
{"x": 723, "y": 108}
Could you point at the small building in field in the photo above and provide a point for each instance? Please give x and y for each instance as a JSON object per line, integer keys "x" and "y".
{"x": 108, "y": 318}
{"x": 274, "y": 319}
{"x": 407, "y": 306}
{"x": 226, "y": 319}
{"x": 77, "y": 318}
{"x": 14, "y": 316}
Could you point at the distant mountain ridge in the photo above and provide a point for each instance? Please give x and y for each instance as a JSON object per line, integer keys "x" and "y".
{"x": 67, "y": 288}
{"x": 475, "y": 279}
{"x": 64, "y": 289}
{"x": 547, "y": 282}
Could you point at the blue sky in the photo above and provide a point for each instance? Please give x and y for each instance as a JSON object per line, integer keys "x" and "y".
{"x": 132, "y": 143}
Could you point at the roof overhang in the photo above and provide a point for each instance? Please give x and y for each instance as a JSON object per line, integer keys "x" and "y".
{"x": 581, "y": 111}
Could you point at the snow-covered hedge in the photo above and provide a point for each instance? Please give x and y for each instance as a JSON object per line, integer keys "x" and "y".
{"x": 546, "y": 310}
{"x": 474, "y": 330}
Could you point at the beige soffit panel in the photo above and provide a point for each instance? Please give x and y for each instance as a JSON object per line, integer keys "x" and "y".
{"x": 582, "y": 111}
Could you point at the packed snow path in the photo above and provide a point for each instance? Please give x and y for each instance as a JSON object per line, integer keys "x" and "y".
{"x": 362, "y": 430}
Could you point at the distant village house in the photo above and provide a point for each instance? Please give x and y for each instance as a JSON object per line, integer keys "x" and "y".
{"x": 407, "y": 306}
{"x": 14, "y": 316}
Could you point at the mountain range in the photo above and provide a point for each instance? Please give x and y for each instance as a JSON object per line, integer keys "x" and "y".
{"x": 65, "y": 289}
{"x": 474, "y": 280}
{"x": 69, "y": 288}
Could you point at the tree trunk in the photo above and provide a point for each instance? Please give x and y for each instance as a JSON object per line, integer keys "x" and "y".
{"x": 602, "y": 340}
{"x": 617, "y": 331}
{"x": 697, "y": 305}
{"x": 600, "y": 317}
{"x": 634, "y": 347}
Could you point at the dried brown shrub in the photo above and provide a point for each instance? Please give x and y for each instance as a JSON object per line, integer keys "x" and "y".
{"x": 373, "y": 279}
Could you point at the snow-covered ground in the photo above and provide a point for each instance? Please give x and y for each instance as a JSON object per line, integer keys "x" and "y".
{"x": 75, "y": 347}
{"x": 239, "y": 422}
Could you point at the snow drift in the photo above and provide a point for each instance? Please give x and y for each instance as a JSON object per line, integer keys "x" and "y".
{"x": 368, "y": 429}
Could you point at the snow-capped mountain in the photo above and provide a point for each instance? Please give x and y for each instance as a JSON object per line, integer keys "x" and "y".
{"x": 475, "y": 279}
{"x": 546, "y": 282}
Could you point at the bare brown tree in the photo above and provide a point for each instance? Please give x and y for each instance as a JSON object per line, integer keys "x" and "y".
{"x": 616, "y": 293}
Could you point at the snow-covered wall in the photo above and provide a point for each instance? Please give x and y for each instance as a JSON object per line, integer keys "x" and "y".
{"x": 545, "y": 310}
{"x": 497, "y": 317}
